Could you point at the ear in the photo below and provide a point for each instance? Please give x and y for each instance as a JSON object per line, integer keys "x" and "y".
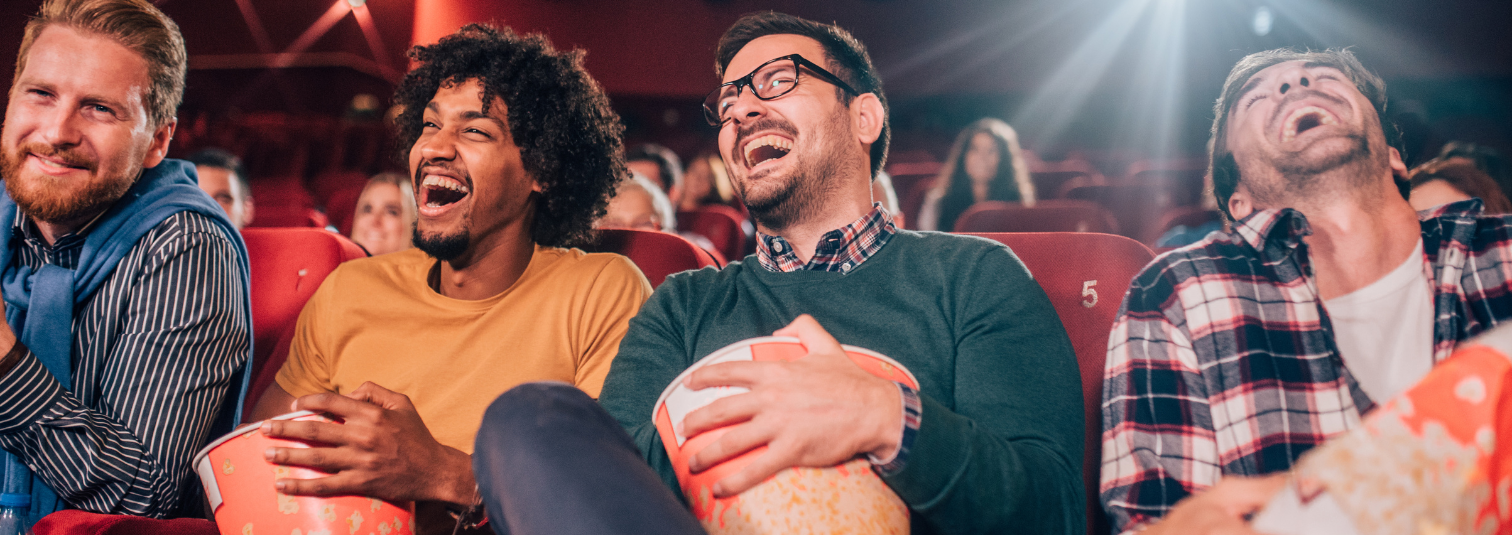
{"x": 158, "y": 149}
{"x": 1398, "y": 167}
{"x": 1240, "y": 205}
{"x": 867, "y": 117}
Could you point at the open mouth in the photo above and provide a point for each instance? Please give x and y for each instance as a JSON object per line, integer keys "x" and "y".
{"x": 439, "y": 191}
{"x": 768, "y": 147}
{"x": 1304, "y": 119}
{"x": 57, "y": 164}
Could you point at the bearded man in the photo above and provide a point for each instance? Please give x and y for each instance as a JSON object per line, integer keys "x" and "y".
{"x": 1235, "y": 355}
{"x": 127, "y": 313}
{"x": 989, "y": 443}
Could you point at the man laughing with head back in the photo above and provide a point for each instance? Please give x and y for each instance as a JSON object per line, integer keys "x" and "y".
{"x": 513, "y": 152}
{"x": 1237, "y": 354}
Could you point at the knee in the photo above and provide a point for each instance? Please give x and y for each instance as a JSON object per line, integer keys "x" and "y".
{"x": 530, "y": 407}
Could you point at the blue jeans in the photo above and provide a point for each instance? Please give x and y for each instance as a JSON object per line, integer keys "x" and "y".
{"x": 549, "y": 460}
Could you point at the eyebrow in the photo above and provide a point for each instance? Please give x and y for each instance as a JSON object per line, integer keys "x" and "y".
{"x": 469, "y": 115}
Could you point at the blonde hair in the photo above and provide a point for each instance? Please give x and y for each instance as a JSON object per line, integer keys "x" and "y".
{"x": 406, "y": 192}
{"x": 136, "y": 25}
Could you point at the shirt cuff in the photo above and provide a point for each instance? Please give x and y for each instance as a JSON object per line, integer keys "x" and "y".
{"x": 29, "y": 391}
{"x": 913, "y": 412}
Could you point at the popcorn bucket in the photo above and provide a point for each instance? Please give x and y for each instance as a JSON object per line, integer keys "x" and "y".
{"x": 238, "y": 481}
{"x": 848, "y": 498}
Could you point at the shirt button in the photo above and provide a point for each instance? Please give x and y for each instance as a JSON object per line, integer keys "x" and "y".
{"x": 845, "y": 268}
{"x": 777, "y": 246}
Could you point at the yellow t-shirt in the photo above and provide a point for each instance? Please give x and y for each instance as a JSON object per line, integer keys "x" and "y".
{"x": 377, "y": 319}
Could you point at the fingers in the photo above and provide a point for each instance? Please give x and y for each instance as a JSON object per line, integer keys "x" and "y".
{"x": 811, "y": 334}
{"x": 339, "y": 484}
{"x": 720, "y": 413}
{"x": 319, "y": 432}
{"x": 341, "y": 406}
{"x": 330, "y": 460}
{"x": 737, "y": 440}
{"x": 759, "y": 470}
{"x": 1243, "y": 495}
{"x": 370, "y": 392}
{"x": 742, "y": 374}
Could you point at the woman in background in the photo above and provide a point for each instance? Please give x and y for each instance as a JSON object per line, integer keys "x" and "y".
{"x": 385, "y": 218}
{"x": 985, "y": 164}
{"x": 706, "y": 182}
{"x": 1441, "y": 182}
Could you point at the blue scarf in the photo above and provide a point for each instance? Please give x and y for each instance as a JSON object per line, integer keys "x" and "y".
{"x": 40, "y": 304}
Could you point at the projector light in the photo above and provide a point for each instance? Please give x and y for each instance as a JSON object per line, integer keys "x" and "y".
{"x": 1262, "y": 21}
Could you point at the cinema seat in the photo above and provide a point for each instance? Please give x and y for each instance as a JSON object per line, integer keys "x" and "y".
{"x": 1047, "y": 216}
{"x": 288, "y": 264}
{"x": 341, "y": 206}
{"x": 1086, "y": 276}
{"x": 657, "y": 254}
{"x": 722, "y": 225}
{"x": 76, "y": 522}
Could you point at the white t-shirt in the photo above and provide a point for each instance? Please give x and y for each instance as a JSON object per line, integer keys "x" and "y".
{"x": 1384, "y": 331}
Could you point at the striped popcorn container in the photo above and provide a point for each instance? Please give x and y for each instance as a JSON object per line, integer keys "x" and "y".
{"x": 238, "y": 481}
{"x": 848, "y": 498}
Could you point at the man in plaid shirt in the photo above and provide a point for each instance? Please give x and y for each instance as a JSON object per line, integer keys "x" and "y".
{"x": 1237, "y": 354}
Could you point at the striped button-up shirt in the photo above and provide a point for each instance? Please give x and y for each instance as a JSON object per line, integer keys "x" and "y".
{"x": 1223, "y": 362}
{"x": 842, "y": 250}
{"x": 154, "y": 354}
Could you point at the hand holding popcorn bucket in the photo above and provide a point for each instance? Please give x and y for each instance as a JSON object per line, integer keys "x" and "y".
{"x": 238, "y": 481}
{"x": 848, "y": 498}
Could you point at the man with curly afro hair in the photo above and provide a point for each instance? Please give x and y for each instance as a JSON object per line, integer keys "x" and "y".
{"x": 514, "y": 152}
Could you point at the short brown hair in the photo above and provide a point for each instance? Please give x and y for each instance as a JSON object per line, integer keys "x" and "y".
{"x": 135, "y": 24}
{"x": 1464, "y": 176}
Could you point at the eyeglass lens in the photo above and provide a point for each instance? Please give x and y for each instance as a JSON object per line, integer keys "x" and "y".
{"x": 768, "y": 82}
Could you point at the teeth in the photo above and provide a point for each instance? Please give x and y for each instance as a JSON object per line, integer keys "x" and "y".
{"x": 1290, "y": 132}
{"x": 433, "y": 181}
{"x": 51, "y": 163}
{"x": 768, "y": 141}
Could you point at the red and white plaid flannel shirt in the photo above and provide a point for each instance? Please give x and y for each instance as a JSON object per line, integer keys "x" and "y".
{"x": 1222, "y": 360}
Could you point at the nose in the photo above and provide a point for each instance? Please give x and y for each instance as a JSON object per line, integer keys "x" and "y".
{"x": 439, "y": 146}
{"x": 746, "y": 107}
{"x": 60, "y": 127}
{"x": 1292, "y": 78}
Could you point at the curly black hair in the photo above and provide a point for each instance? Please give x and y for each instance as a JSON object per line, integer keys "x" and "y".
{"x": 568, "y": 136}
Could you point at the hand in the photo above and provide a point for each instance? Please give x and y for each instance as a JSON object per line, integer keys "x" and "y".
{"x": 1221, "y": 509}
{"x": 382, "y": 451}
{"x": 818, "y": 411}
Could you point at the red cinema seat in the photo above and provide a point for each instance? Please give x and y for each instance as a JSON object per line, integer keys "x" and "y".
{"x": 1047, "y": 216}
{"x": 341, "y": 206}
{"x": 76, "y": 522}
{"x": 722, "y": 225}
{"x": 284, "y": 202}
{"x": 1187, "y": 216}
{"x": 657, "y": 254}
{"x": 287, "y": 264}
{"x": 1086, "y": 276}
{"x": 1137, "y": 207}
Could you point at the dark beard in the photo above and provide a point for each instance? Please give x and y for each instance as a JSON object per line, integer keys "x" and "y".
{"x": 805, "y": 190}
{"x": 444, "y": 248}
{"x": 51, "y": 205}
{"x": 1303, "y": 176}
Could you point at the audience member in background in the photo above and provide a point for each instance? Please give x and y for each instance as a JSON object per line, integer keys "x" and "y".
{"x": 488, "y": 299}
{"x": 384, "y": 220}
{"x": 223, "y": 177}
{"x": 659, "y": 164}
{"x": 1487, "y": 159}
{"x": 640, "y": 205}
{"x": 990, "y": 444}
{"x": 127, "y": 313}
{"x": 706, "y": 182}
{"x": 985, "y": 164}
{"x": 883, "y": 192}
{"x": 1441, "y": 182}
{"x": 1233, "y": 356}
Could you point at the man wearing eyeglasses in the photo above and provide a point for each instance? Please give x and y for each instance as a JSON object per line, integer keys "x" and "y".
{"x": 992, "y": 440}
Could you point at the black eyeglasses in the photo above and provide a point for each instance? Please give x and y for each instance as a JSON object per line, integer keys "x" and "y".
{"x": 772, "y": 79}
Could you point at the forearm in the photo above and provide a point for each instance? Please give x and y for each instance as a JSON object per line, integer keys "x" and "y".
{"x": 962, "y": 479}
{"x": 90, "y": 459}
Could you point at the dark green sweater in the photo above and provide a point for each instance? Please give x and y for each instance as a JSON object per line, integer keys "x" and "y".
{"x": 999, "y": 448}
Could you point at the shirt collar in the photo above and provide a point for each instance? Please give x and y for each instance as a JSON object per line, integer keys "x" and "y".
{"x": 1274, "y": 233}
{"x": 28, "y": 230}
{"x": 842, "y": 249}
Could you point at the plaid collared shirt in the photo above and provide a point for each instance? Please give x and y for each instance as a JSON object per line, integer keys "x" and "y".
{"x": 1223, "y": 361}
{"x": 840, "y": 250}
